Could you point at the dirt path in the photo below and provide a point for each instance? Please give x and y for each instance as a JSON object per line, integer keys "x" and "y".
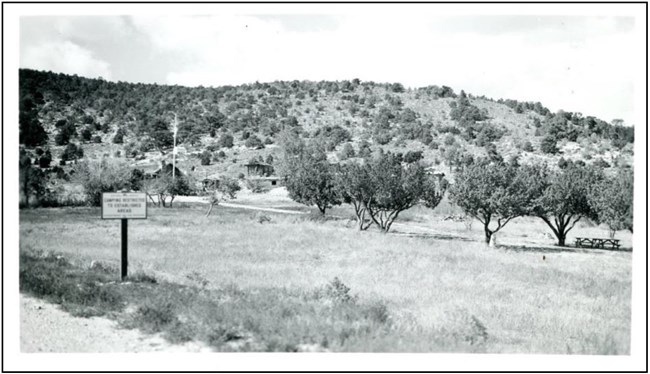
{"x": 273, "y": 210}
{"x": 46, "y": 328}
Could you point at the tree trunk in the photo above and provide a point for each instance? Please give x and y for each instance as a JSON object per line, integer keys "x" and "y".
{"x": 209, "y": 210}
{"x": 488, "y": 234}
{"x": 361, "y": 219}
{"x": 561, "y": 239}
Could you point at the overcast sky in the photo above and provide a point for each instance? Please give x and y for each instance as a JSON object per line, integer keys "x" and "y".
{"x": 576, "y": 63}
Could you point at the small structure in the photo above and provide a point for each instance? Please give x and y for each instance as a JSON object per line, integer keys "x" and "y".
{"x": 270, "y": 181}
{"x": 431, "y": 170}
{"x": 163, "y": 169}
{"x": 210, "y": 183}
{"x": 261, "y": 169}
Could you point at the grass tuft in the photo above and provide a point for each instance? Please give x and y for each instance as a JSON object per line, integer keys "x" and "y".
{"x": 80, "y": 292}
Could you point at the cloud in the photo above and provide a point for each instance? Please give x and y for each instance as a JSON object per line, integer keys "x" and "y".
{"x": 64, "y": 57}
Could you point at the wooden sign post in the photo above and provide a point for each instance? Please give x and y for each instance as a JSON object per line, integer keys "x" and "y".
{"x": 122, "y": 206}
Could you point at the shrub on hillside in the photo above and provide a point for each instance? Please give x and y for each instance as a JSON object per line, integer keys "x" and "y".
{"x": 549, "y": 145}
{"x": 119, "y": 136}
{"x": 225, "y": 141}
{"x": 347, "y": 152}
{"x": 254, "y": 142}
{"x": 528, "y": 147}
{"x": 205, "y": 157}
{"x": 72, "y": 152}
{"x": 45, "y": 160}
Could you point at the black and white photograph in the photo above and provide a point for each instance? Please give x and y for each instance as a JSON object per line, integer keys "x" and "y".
{"x": 347, "y": 186}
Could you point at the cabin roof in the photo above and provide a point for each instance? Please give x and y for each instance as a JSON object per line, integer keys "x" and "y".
{"x": 258, "y": 164}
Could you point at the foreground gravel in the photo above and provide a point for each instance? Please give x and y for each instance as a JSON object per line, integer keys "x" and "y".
{"x": 46, "y": 328}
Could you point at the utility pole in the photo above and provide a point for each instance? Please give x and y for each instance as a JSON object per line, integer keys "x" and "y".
{"x": 174, "y": 151}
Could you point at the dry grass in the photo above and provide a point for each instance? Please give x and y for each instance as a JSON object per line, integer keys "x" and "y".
{"x": 508, "y": 300}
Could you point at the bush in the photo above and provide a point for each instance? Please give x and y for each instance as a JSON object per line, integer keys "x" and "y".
{"x": 450, "y": 139}
{"x": 254, "y": 142}
{"x": 45, "y": 160}
{"x": 412, "y": 156}
{"x": 86, "y": 134}
{"x": 528, "y": 147}
{"x": 205, "y": 158}
{"x": 256, "y": 186}
{"x": 346, "y": 152}
{"x": 601, "y": 163}
{"x": 382, "y": 137}
{"x": 226, "y": 141}
{"x": 119, "y": 136}
{"x": 101, "y": 176}
{"x": 549, "y": 145}
{"x": 72, "y": 152}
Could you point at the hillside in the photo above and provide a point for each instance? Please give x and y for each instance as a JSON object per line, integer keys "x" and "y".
{"x": 134, "y": 122}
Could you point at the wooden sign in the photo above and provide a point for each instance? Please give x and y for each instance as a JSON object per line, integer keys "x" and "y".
{"x": 124, "y": 206}
{"x": 120, "y": 205}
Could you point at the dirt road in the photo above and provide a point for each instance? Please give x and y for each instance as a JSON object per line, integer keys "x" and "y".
{"x": 46, "y": 328}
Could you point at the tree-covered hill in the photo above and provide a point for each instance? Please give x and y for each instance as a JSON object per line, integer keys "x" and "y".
{"x": 223, "y": 127}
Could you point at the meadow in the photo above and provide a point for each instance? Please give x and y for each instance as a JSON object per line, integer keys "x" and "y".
{"x": 430, "y": 286}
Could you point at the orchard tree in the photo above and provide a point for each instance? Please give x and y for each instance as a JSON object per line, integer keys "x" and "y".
{"x": 564, "y": 198}
{"x": 612, "y": 200}
{"x": 495, "y": 192}
{"x": 310, "y": 180}
{"x": 166, "y": 186}
{"x": 292, "y": 147}
{"x": 396, "y": 188}
{"x": 226, "y": 189}
{"x": 355, "y": 186}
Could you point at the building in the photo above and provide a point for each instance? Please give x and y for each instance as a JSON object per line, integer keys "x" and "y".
{"x": 438, "y": 174}
{"x": 269, "y": 182}
{"x": 261, "y": 169}
{"x": 163, "y": 169}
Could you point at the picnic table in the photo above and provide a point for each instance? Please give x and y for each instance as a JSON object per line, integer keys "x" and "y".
{"x": 598, "y": 243}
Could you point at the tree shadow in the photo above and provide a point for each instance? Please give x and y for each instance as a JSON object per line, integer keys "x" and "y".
{"x": 556, "y": 249}
{"x": 433, "y": 236}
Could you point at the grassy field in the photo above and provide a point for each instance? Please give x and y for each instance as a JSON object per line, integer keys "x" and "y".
{"x": 430, "y": 286}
